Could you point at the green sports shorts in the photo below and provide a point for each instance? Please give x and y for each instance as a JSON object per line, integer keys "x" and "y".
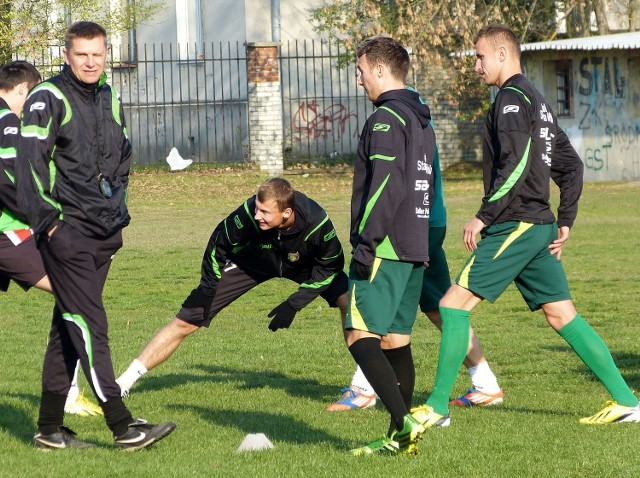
{"x": 519, "y": 252}
{"x": 388, "y": 300}
{"x": 436, "y": 279}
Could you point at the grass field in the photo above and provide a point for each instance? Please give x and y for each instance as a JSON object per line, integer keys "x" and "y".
{"x": 237, "y": 377}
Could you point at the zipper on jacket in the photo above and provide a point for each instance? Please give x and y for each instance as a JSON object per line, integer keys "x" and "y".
{"x": 279, "y": 255}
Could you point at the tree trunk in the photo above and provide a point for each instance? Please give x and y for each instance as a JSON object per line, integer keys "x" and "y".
{"x": 5, "y": 18}
{"x": 634, "y": 15}
{"x": 601, "y": 17}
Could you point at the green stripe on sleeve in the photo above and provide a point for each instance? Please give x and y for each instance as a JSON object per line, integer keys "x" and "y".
{"x": 214, "y": 263}
{"x": 386, "y": 108}
{"x": 382, "y": 157}
{"x": 326, "y": 218}
{"x": 250, "y": 214}
{"x": 8, "y": 153}
{"x": 513, "y": 88}
{"x": 35, "y": 131}
{"x": 41, "y": 190}
{"x": 58, "y": 94}
{"x": 318, "y": 285}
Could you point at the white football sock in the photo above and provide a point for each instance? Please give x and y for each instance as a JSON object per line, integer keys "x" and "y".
{"x": 131, "y": 375}
{"x": 482, "y": 378}
{"x": 360, "y": 381}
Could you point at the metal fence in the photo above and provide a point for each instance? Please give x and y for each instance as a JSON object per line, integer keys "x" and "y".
{"x": 195, "y": 104}
{"x": 198, "y": 104}
{"x": 323, "y": 107}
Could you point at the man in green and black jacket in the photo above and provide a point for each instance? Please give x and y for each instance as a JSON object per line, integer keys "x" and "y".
{"x": 278, "y": 232}
{"x": 390, "y": 208}
{"x": 72, "y": 173}
{"x": 521, "y": 241}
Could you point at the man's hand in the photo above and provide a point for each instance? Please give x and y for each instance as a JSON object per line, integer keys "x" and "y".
{"x": 282, "y": 315}
{"x": 556, "y": 246}
{"x": 362, "y": 271}
{"x": 470, "y": 232}
{"x": 199, "y": 299}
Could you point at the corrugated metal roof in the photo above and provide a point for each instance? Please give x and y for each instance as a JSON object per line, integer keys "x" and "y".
{"x": 620, "y": 41}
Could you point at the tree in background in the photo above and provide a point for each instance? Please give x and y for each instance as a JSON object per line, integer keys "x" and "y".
{"x": 440, "y": 32}
{"x": 29, "y": 27}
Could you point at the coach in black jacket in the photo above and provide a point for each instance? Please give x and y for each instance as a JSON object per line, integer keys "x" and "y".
{"x": 278, "y": 232}
{"x": 72, "y": 175}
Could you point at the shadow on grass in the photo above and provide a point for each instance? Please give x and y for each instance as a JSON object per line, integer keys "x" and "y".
{"x": 627, "y": 364}
{"x": 502, "y": 408}
{"x": 16, "y": 421}
{"x": 248, "y": 380}
{"x": 420, "y": 398}
{"x": 276, "y": 427}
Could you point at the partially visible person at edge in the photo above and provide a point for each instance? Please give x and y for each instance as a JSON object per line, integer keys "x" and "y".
{"x": 436, "y": 280}
{"x": 72, "y": 174}
{"x": 390, "y": 204}
{"x": 521, "y": 241}
{"x": 19, "y": 257}
{"x": 278, "y": 232}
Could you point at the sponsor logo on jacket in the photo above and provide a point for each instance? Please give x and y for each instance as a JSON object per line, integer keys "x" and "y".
{"x": 329, "y": 235}
{"x": 37, "y": 106}
{"x": 424, "y": 166}
{"x": 381, "y": 127}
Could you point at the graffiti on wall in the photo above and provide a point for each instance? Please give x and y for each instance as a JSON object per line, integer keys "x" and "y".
{"x": 312, "y": 122}
{"x": 607, "y": 122}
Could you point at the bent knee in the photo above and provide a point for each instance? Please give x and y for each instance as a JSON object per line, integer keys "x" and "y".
{"x": 183, "y": 328}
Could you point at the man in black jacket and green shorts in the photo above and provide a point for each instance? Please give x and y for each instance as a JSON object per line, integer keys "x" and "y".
{"x": 390, "y": 207}
{"x": 521, "y": 240}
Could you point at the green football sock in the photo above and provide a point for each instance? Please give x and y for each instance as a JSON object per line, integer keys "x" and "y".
{"x": 453, "y": 350}
{"x": 595, "y": 355}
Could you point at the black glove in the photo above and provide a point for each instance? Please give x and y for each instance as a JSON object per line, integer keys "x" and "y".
{"x": 362, "y": 271}
{"x": 282, "y": 316}
{"x": 199, "y": 299}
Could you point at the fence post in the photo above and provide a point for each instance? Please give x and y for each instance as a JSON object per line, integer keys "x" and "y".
{"x": 265, "y": 106}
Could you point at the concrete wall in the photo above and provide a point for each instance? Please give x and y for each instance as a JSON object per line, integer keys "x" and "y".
{"x": 234, "y": 20}
{"x": 605, "y": 123}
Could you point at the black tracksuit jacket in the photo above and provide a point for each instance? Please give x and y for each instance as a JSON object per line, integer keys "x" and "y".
{"x": 308, "y": 253}
{"x": 72, "y": 136}
{"x": 523, "y": 149}
{"x": 393, "y": 181}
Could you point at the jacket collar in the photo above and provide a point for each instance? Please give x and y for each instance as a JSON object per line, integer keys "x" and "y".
{"x": 80, "y": 86}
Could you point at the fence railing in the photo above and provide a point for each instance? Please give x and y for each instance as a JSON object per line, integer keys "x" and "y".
{"x": 323, "y": 107}
{"x": 198, "y": 103}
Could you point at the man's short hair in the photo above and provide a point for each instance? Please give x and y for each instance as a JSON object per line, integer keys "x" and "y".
{"x": 278, "y": 189}
{"x": 385, "y": 50}
{"x": 16, "y": 72}
{"x": 498, "y": 35}
{"x": 83, "y": 29}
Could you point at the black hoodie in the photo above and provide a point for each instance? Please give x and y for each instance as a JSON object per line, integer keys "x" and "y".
{"x": 393, "y": 181}
{"x": 308, "y": 253}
